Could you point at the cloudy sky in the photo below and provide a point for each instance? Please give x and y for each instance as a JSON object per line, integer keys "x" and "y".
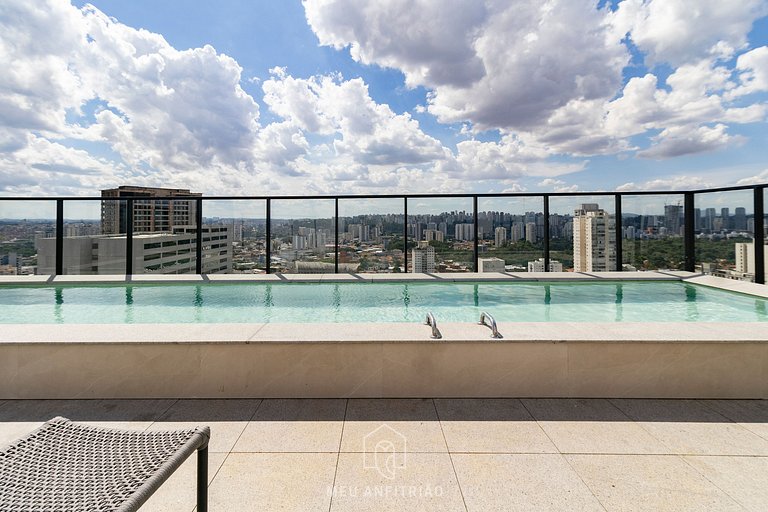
{"x": 347, "y": 96}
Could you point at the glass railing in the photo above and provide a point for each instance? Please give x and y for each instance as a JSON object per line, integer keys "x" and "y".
{"x": 724, "y": 227}
{"x": 652, "y": 232}
{"x": 718, "y": 231}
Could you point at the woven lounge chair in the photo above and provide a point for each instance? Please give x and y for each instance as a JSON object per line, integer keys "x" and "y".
{"x": 65, "y": 466}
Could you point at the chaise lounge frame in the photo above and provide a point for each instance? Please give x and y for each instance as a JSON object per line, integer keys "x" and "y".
{"x": 74, "y": 467}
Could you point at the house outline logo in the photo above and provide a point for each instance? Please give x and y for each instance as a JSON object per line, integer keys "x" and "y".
{"x": 384, "y": 449}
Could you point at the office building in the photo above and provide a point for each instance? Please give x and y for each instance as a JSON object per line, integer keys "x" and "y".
{"x": 594, "y": 239}
{"x": 160, "y": 253}
{"x": 740, "y": 219}
{"x": 673, "y": 215}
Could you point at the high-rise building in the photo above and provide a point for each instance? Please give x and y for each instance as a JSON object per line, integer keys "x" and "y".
{"x": 745, "y": 258}
{"x": 433, "y": 234}
{"x": 500, "y": 234}
{"x": 726, "y": 218}
{"x": 594, "y": 239}
{"x": 423, "y": 258}
{"x": 740, "y": 219}
{"x": 517, "y": 232}
{"x": 464, "y": 231}
{"x": 156, "y": 210}
{"x": 530, "y": 232}
{"x": 673, "y": 214}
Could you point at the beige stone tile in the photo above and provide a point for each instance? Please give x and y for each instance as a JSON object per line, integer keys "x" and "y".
{"x": 745, "y": 479}
{"x": 591, "y": 426}
{"x": 491, "y": 426}
{"x": 226, "y": 418}
{"x": 179, "y": 492}
{"x": 521, "y": 482}
{"x": 273, "y": 481}
{"x": 132, "y": 414}
{"x": 750, "y": 414}
{"x": 649, "y": 482}
{"x": 20, "y": 417}
{"x": 689, "y": 428}
{"x": 285, "y": 425}
{"x": 419, "y": 481}
{"x": 410, "y": 421}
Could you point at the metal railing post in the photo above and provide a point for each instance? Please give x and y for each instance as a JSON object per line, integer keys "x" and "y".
{"x": 476, "y": 237}
{"x": 199, "y": 233}
{"x": 59, "y": 270}
{"x": 689, "y": 238}
{"x": 336, "y": 237}
{"x": 546, "y": 233}
{"x": 405, "y": 234}
{"x": 128, "y": 237}
{"x": 759, "y": 235}
{"x": 268, "y": 235}
{"x": 619, "y": 237}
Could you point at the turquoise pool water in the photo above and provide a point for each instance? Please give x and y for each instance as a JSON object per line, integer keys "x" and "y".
{"x": 377, "y": 302}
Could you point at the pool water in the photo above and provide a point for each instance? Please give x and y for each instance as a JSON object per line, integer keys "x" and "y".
{"x": 377, "y": 302}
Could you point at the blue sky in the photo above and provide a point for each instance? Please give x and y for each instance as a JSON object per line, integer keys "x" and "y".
{"x": 346, "y": 96}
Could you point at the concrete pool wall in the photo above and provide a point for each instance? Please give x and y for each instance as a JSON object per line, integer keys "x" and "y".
{"x": 639, "y": 360}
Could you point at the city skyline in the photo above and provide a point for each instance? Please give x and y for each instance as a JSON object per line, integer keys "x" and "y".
{"x": 374, "y": 241}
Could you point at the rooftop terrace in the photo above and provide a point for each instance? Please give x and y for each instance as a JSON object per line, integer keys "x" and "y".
{"x": 450, "y": 454}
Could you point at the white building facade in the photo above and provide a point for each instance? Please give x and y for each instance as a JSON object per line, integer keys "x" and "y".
{"x": 594, "y": 239}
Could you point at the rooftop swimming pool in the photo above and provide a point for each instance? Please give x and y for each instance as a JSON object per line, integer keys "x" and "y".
{"x": 605, "y": 301}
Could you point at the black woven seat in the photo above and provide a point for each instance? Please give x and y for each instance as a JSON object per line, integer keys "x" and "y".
{"x": 65, "y": 466}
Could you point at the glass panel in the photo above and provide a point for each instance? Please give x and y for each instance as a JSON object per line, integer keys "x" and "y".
{"x": 441, "y": 235}
{"x": 371, "y": 235}
{"x": 582, "y": 231}
{"x": 165, "y": 236}
{"x": 511, "y": 234}
{"x": 724, "y": 226}
{"x": 93, "y": 242}
{"x": 303, "y": 236}
{"x": 234, "y": 236}
{"x": 652, "y": 228}
{"x": 25, "y": 228}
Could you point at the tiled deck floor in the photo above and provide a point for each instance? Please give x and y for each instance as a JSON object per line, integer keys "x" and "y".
{"x": 463, "y": 455}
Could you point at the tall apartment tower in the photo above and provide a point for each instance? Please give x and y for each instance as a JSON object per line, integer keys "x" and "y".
{"x": 594, "y": 239}
{"x": 464, "y": 231}
{"x": 501, "y": 236}
{"x": 161, "y": 211}
{"x": 423, "y": 258}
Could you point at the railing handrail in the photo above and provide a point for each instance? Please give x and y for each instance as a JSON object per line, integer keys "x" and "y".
{"x": 396, "y": 195}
